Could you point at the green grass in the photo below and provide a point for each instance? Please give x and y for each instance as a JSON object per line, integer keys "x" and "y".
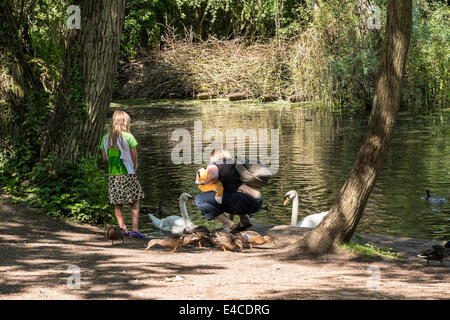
{"x": 370, "y": 250}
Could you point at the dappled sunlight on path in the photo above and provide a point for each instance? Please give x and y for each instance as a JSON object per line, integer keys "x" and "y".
{"x": 35, "y": 252}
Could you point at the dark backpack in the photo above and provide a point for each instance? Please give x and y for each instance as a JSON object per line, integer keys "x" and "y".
{"x": 255, "y": 175}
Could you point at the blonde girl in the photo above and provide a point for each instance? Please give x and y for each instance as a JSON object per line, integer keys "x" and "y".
{"x": 119, "y": 150}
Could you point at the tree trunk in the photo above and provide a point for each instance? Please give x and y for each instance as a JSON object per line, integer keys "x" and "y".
{"x": 343, "y": 218}
{"x": 90, "y": 67}
{"x": 200, "y": 15}
{"x": 21, "y": 86}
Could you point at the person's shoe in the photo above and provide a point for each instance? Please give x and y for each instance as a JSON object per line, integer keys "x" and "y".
{"x": 230, "y": 230}
{"x": 136, "y": 234}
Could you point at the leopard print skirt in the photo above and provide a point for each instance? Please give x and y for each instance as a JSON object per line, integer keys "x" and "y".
{"x": 124, "y": 188}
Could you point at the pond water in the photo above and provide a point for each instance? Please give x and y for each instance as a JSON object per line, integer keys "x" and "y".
{"x": 317, "y": 149}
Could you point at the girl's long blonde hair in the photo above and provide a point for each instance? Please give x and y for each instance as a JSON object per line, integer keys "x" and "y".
{"x": 120, "y": 122}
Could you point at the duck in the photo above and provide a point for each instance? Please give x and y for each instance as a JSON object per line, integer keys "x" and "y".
{"x": 192, "y": 237}
{"x": 174, "y": 241}
{"x": 199, "y": 234}
{"x": 434, "y": 199}
{"x": 114, "y": 233}
{"x": 253, "y": 237}
{"x": 158, "y": 211}
{"x": 310, "y": 221}
{"x": 437, "y": 252}
{"x": 225, "y": 240}
{"x": 175, "y": 224}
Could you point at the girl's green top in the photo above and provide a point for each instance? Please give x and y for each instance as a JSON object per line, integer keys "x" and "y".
{"x": 116, "y": 165}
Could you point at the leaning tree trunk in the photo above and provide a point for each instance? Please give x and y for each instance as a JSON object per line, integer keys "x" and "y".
{"x": 85, "y": 91}
{"x": 340, "y": 224}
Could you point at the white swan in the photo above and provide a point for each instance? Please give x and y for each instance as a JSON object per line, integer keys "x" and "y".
{"x": 310, "y": 221}
{"x": 175, "y": 224}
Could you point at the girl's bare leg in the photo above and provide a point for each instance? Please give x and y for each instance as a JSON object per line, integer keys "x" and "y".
{"x": 134, "y": 208}
{"x": 118, "y": 211}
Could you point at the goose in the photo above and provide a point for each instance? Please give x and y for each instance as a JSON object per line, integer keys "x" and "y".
{"x": 310, "y": 221}
{"x": 175, "y": 224}
{"x": 434, "y": 199}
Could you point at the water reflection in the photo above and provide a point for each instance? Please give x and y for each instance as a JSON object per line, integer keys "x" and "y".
{"x": 317, "y": 150}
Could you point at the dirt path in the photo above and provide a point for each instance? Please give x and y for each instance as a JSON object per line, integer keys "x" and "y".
{"x": 35, "y": 252}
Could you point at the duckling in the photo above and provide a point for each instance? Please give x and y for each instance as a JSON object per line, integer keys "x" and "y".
{"x": 253, "y": 237}
{"x": 434, "y": 199}
{"x": 114, "y": 233}
{"x": 174, "y": 241}
{"x": 225, "y": 240}
{"x": 436, "y": 252}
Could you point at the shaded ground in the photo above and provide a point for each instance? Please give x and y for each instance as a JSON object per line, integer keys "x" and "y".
{"x": 35, "y": 252}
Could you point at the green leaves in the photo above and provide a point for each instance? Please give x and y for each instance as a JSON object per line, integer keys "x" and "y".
{"x": 76, "y": 190}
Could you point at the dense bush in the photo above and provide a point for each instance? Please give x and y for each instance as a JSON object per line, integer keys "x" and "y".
{"x": 325, "y": 53}
{"x": 76, "y": 190}
{"x": 184, "y": 68}
{"x": 146, "y": 19}
{"x": 426, "y": 82}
